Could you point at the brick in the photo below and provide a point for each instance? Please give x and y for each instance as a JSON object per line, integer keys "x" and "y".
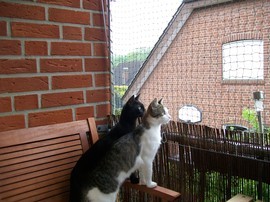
{"x": 11, "y": 85}
{"x": 14, "y": 10}
{"x": 22, "y": 29}
{"x": 72, "y": 33}
{"x": 83, "y": 113}
{"x": 3, "y": 28}
{"x": 93, "y": 5}
{"x": 94, "y": 34}
{"x": 49, "y": 117}
{"x": 36, "y": 48}
{"x": 94, "y": 96}
{"x": 69, "y": 3}
{"x": 65, "y": 48}
{"x": 60, "y": 65}
{"x": 103, "y": 110}
{"x": 69, "y": 16}
{"x": 10, "y": 66}
{"x": 12, "y": 122}
{"x": 98, "y": 20}
{"x": 61, "y": 99}
{"x": 100, "y": 49}
{"x": 96, "y": 64}
{"x": 25, "y": 102}
{"x": 10, "y": 47}
{"x": 102, "y": 80}
{"x": 72, "y": 81}
{"x": 5, "y": 104}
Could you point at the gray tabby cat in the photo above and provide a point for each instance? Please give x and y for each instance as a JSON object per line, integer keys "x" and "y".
{"x": 136, "y": 150}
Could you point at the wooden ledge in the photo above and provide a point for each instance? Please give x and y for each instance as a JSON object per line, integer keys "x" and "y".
{"x": 161, "y": 192}
{"x": 240, "y": 198}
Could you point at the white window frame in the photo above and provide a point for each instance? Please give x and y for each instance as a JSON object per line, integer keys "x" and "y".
{"x": 243, "y": 60}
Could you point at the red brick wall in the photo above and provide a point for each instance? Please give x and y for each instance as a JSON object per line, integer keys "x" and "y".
{"x": 53, "y": 63}
{"x": 190, "y": 72}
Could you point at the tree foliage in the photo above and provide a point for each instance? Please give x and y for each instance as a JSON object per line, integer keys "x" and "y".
{"x": 120, "y": 90}
{"x": 137, "y": 55}
{"x": 250, "y": 116}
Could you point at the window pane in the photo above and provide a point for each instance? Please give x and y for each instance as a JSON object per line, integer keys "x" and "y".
{"x": 243, "y": 60}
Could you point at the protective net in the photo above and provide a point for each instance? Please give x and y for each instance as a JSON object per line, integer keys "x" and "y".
{"x": 209, "y": 61}
{"x": 204, "y": 57}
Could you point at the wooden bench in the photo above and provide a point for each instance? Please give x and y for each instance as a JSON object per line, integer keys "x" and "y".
{"x": 35, "y": 163}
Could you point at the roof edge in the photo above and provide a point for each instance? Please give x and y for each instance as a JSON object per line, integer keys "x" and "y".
{"x": 170, "y": 32}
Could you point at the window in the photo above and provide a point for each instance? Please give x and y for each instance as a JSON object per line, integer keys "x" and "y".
{"x": 243, "y": 60}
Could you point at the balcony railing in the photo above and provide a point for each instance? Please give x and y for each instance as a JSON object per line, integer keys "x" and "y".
{"x": 208, "y": 164}
{"x": 211, "y": 165}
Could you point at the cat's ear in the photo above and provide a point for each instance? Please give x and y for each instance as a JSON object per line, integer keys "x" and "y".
{"x": 131, "y": 99}
{"x": 137, "y": 97}
{"x": 154, "y": 103}
{"x": 160, "y": 101}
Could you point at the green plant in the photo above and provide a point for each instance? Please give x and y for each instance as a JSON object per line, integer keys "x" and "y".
{"x": 137, "y": 55}
{"x": 117, "y": 111}
{"x": 120, "y": 90}
{"x": 250, "y": 116}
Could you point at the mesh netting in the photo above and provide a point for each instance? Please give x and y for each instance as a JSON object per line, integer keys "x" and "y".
{"x": 209, "y": 60}
{"x": 207, "y": 55}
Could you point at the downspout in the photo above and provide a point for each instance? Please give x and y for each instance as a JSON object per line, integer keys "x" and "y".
{"x": 108, "y": 44}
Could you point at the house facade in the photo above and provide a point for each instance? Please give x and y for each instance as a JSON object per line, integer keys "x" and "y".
{"x": 213, "y": 55}
{"x": 125, "y": 72}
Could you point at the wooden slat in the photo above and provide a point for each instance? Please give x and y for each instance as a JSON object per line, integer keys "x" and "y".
{"x": 22, "y": 189}
{"x": 38, "y": 150}
{"x": 22, "y": 147}
{"x": 9, "y": 168}
{"x": 40, "y": 155}
{"x": 61, "y": 187}
{"x": 63, "y": 197}
{"x": 37, "y": 174}
{"x": 93, "y": 130}
{"x": 33, "y": 181}
{"x": 44, "y": 166}
{"x": 60, "y": 195}
{"x": 28, "y": 135}
{"x": 161, "y": 192}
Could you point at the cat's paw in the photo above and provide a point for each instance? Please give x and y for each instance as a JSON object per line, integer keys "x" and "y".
{"x": 151, "y": 184}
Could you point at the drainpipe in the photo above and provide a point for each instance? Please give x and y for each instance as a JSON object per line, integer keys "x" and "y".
{"x": 258, "y": 98}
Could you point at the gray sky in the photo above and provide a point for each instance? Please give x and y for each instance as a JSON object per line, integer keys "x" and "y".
{"x": 139, "y": 23}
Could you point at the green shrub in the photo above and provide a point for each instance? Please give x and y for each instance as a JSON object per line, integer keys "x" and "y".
{"x": 250, "y": 116}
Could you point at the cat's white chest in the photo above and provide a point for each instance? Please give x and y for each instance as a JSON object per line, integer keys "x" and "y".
{"x": 153, "y": 135}
{"x": 150, "y": 141}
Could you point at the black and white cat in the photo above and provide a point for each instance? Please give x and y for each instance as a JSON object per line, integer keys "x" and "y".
{"x": 135, "y": 150}
{"x": 155, "y": 116}
{"x": 132, "y": 110}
